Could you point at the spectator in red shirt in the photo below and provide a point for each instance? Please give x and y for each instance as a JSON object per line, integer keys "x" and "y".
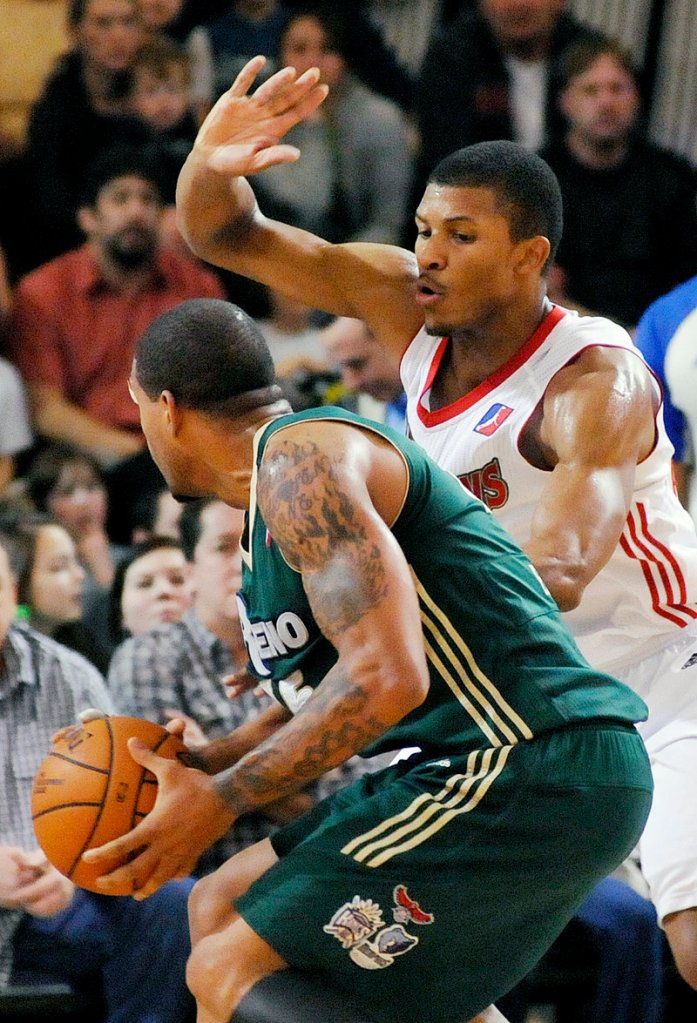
{"x": 76, "y": 320}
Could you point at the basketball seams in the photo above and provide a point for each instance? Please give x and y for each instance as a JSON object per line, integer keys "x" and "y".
{"x": 98, "y": 817}
{"x": 137, "y": 815}
{"x": 62, "y": 806}
{"x": 96, "y": 807}
{"x": 78, "y": 763}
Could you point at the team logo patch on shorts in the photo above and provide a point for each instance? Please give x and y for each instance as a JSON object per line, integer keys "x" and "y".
{"x": 361, "y": 929}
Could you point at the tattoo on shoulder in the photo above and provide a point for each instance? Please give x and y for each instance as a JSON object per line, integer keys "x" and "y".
{"x": 315, "y": 520}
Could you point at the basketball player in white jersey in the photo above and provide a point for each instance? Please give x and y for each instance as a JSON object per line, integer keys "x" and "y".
{"x": 553, "y": 420}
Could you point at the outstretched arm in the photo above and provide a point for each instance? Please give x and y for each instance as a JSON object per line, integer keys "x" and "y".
{"x": 221, "y": 222}
{"x": 598, "y": 422}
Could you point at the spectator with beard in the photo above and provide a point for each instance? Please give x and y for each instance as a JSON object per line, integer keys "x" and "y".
{"x": 490, "y": 74}
{"x": 630, "y": 224}
{"x": 76, "y": 321}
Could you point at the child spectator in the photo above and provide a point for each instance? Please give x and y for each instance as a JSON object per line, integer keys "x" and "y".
{"x": 160, "y": 100}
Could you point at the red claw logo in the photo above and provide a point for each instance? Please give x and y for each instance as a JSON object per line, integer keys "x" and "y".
{"x": 406, "y": 909}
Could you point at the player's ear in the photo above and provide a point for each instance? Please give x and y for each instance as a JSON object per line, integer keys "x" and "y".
{"x": 172, "y": 411}
{"x": 533, "y": 254}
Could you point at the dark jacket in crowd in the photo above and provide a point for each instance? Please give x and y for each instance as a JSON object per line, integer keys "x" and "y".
{"x": 65, "y": 134}
{"x": 463, "y": 90}
{"x": 630, "y": 233}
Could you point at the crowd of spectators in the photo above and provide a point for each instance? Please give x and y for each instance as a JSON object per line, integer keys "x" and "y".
{"x": 94, "y": 553}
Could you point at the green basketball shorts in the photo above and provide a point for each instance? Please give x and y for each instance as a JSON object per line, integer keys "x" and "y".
{"x": 429, "y": 889}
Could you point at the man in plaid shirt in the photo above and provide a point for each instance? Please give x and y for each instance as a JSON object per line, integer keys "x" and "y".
{"x": 47, "y": 925}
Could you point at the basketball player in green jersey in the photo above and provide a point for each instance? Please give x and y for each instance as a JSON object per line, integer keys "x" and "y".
{"x": 383, "y": 607}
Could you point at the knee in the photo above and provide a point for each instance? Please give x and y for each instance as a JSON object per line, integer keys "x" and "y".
{"x": 620, "y": 918}
{"x": 203, "y": 907}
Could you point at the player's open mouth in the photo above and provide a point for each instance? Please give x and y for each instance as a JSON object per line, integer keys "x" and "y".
{"x": 426, "y": 295}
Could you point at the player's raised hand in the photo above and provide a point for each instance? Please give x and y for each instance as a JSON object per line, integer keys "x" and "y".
{"x": 242, "y": 133}
{"x": 187, "y": 818}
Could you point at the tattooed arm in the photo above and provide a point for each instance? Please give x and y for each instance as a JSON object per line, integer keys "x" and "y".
{"x": 326, "y": 491}
{"x": 322, "y": 491}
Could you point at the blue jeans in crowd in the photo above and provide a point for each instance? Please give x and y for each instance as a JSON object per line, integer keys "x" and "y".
{"x": 137, "y": 950}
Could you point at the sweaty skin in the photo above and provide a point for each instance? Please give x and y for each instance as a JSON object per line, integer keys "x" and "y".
{"x": 467, "y": 279}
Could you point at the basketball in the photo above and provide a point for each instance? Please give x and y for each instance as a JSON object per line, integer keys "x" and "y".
{"x": 89, "y": 790}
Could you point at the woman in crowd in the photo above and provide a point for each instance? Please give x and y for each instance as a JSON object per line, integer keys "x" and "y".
{"x": 355, "y": 148}
{"x": 152, "y": 586}
{"x": 51, "y": 585}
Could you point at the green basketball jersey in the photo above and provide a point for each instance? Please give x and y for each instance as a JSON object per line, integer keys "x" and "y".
{"x": 503, "y": 666}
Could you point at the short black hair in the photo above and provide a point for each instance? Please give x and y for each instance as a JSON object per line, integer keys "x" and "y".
{"x": 333, "y": 21}
{"x": 119, "y": 161}
{"x": 205, "y": 351}
{"x": 525, "y": 186}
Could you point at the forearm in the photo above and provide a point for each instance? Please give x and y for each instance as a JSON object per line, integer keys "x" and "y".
{"x": 221, "y": 754}
{"x": 213, "y": 211}
{"x": 339, "y": 720}
{"x": 575, "y": 529}
{"x": 59, "y": 419}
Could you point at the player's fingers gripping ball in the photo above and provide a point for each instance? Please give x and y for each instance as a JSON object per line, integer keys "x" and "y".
{"x": 89, "y": 790}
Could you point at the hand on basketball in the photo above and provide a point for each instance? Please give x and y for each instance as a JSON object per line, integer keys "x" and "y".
{"x": 187, "y": 818}
{"x": 241, "y": 134}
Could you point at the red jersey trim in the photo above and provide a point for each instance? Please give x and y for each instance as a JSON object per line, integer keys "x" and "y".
{"x": 663, "y": 575}
{"x": 442, "y": 415}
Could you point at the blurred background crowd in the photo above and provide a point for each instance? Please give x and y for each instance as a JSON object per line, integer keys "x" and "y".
{"x": 100, "y": 101}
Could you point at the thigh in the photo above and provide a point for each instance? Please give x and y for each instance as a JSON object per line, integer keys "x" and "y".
{"x": 212, "y": 902}
{"x": 668, "y": 845}
{"x": 432, "y": 895}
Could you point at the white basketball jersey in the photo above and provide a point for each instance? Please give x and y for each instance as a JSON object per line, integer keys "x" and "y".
{"x": 647, "y": 593}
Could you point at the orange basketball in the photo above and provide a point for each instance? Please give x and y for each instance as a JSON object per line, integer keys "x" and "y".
{"x": 89, "y": 790}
